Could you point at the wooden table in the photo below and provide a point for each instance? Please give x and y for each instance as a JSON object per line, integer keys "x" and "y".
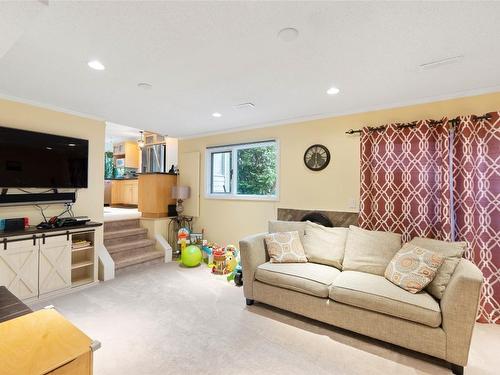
{"x": 44, "y": 342}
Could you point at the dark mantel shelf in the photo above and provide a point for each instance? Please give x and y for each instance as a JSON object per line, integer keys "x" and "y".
{"x": 34, "y": 231}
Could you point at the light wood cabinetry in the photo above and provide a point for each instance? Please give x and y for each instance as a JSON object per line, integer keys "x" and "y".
{"x": 44, "y": 342}
{"x": 125, "y": 192}
{"x": 19, "y": 268}
{"x": 155, "y": 194}
{"x": 129, "y": 151}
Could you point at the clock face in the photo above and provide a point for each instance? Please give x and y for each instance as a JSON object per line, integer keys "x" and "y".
{"x": 316, "y": 157}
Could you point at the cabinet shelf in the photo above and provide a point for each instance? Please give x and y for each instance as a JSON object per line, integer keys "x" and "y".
{"x": 82, "y": 281}
{"x": 82, "y": 264}
{"x": 82, "y": 248}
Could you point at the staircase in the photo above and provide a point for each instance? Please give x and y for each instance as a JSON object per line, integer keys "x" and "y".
{"x": 128, "y": 244}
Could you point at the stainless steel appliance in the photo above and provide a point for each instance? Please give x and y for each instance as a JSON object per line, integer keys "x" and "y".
{"x": 154, "y": 158}
{"x": 107, "y": 192}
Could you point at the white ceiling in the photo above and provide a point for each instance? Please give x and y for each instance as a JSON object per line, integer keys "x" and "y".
{"x": 116, "y": 133}
{"x": 209, "y": 56}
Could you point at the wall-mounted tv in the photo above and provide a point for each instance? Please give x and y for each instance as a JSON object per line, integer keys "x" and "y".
{"x": 38, "y": 160}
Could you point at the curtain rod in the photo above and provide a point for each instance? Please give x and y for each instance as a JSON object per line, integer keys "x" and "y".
{"x": 455, "y": 121}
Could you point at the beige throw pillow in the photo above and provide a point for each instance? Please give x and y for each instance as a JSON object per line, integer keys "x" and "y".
{"x": 285, "y": 247}
{"x": 325, "y": 245}
{"x": 369, "y": 251}
{"x": 451, "y": 251}
{"x": 413, "y": 268}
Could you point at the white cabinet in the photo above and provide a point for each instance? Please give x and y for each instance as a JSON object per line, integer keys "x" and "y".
{"x": 54, "y": 264}
{"x": 19, "y": 268}
{"x": 31, "y": 268}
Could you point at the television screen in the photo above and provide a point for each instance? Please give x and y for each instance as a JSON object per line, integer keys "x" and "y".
{"x": 39, "y": 160}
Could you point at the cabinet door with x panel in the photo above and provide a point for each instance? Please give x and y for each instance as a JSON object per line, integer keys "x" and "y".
{"x": 55, "y": 264}
{"x": 19, "y": 268}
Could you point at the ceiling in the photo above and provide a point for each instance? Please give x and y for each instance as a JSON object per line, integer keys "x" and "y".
{"x": 208, "y": 57}
{"x": 116, "y": 133}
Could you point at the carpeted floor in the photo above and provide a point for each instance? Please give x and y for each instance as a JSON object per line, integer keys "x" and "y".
{"x": 165, "y": 319}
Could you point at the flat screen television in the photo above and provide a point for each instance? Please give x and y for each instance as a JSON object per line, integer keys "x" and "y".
{"x": 38, "y": 160}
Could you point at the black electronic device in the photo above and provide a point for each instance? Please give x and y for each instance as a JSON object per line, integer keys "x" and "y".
{"x": 38, "y": 160}
{"x": 15, "y": 224}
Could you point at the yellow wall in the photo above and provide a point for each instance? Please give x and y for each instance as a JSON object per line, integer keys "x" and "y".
{"x": 226, "y": 221}
{"x": 90, "y": 201}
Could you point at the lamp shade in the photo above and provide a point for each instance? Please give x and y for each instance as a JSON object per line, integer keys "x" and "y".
{"x": 181, "y": 192}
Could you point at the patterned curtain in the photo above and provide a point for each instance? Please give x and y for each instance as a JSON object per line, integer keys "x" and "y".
{"x": 405, "y": 180}
{"x": 476, "y": 196}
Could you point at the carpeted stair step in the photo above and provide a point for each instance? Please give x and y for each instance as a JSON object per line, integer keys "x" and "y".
{"x": 124, "y": 236}
{"x": 149, "y": 257}
{"x": 131, "y": 249}
{"x": 112, "y": 226}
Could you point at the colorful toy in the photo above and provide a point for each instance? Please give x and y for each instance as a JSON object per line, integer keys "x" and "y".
{"x": 219, "y": 267}
{"x": 231, "y": 261}
{"x": 183, "y": 238}
{"x": 191, "y": 256}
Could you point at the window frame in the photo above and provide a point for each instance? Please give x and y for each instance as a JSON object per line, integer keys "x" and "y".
{"x": 233, "y": 149}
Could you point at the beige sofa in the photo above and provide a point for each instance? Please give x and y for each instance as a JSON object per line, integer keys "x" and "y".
{"x": 365, "y": 303}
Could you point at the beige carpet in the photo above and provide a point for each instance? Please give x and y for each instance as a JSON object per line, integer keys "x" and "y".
{"x": 165, "y": 319}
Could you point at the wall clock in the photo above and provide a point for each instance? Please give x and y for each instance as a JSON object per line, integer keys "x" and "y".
{"x": 317, "y": 157}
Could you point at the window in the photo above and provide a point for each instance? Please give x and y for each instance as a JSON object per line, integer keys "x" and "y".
{"x": 243, "y": 171}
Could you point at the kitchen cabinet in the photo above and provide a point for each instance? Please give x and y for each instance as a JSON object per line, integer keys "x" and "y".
{"x": 125, "y": 192}
{"x": 128, "y": 151}
{"x": 155, "y": 194}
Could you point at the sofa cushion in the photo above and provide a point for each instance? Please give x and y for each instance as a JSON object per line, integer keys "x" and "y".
{"x": 452, "y": 252}
{"x": 287, "y": 226}
{"x": 376, "y": 293}
{"x": 285, "y": 247}
{"x": 413, "y": 268}
{"x": 309, "y": 278}
{"x": 370, "y": 251}
{"x": 325, "y": 245}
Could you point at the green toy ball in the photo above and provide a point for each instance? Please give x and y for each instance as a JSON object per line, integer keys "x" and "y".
{"x": 191, "y": 256}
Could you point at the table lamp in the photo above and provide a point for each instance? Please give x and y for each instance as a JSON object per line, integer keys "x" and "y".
{"x": 180, "y": 193}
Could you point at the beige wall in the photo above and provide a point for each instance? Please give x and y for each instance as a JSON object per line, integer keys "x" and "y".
{"x": 90, "y": 201}
{"x": 226, "y": 221}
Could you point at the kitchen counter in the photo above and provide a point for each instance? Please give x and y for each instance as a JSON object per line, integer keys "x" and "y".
{"x": 121, "y": 178}
{"x": 146, "y": 173}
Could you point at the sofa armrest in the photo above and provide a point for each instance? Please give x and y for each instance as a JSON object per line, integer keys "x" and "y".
{"x": 253, "y": 253}
{"x": 459, "y": 308}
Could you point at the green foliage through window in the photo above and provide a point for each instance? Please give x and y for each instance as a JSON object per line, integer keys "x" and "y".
{"x": 257, "y": 170}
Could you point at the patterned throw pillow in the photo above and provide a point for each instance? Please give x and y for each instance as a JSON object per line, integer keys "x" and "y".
{"x": 412, "y": 268}
{"x": 285, "y": 247}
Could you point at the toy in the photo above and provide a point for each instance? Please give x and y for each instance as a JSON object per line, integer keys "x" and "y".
{"x": 236, "y": 275}
{"x": 231, "y": 261}
{"x": 219, "y": 267}
{"x": 191, "y": 256}
{"x": 183, "y": 238}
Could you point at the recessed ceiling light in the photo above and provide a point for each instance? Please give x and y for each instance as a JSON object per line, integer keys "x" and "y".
{"x": 145, "y": 85}
{"x": 332, "y": 91}
{"x": 97, "y": 65}
{"x": 288, "y": 34}
{"x": 216, "y": 114}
